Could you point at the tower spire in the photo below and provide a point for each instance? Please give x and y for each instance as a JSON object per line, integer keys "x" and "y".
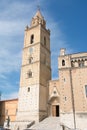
{"x": 38, "y": 18}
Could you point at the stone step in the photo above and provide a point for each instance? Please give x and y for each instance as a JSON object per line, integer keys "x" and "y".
{"x": 21, "y": 125}
{"x": 50, "y": 123}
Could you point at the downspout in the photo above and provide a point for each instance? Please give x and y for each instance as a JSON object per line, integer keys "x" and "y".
{"x": 72, "y": 96}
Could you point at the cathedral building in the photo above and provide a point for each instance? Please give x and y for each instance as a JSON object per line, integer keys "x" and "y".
{"x": 39, "y": 95}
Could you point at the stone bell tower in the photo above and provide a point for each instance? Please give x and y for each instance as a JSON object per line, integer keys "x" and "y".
{"x": 35, "y": 71}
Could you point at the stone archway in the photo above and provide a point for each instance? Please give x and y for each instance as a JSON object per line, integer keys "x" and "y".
{"x": 54, "y": 106}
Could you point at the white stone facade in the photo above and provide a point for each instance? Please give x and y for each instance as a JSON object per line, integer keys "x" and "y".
{"x": 28, "y": 103}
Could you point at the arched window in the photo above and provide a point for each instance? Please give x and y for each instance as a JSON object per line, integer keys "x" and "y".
{"x": 63, "y": 62}
{"x": 30, "y": 60}
{"x": 29, "y": 74}
{"x": 45, "y": 41}
{"x": 32, "y": 39}
{"x": 81, "y": 63}
{"x": 72, "y": 64}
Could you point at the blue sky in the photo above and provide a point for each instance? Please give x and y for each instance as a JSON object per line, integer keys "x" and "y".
{"x": 67, "y": 20}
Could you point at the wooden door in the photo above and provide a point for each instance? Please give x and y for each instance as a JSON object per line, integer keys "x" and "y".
{"x": 53, "y": 110}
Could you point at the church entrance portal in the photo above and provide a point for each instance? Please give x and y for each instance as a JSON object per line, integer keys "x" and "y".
{"x": 55, "y": 110}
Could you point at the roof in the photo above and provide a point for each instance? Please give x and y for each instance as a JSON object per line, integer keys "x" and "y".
{"x": 9, "y": 100}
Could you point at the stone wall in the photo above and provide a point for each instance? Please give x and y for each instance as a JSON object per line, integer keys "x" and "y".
{"x": 8, "y": 108}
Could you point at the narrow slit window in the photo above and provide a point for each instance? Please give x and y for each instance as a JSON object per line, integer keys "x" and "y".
{"x": 16, "y": 110}
{"x": 29, "y": 74}
{"x": 64, "y": 80}
{"x": 30, "y": 60}
{"x": 32, "y": 39}
{"x": 65, "y": 98}
{"x": 28, "y": 89}
{"x": 45, "y": 41}
{"x": 86, "y": 90}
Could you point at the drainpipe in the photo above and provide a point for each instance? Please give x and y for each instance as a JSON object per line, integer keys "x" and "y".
{"x": 72, "y": 95}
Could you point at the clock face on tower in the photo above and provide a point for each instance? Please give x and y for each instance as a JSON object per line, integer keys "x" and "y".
{"x": 30, "y": 50}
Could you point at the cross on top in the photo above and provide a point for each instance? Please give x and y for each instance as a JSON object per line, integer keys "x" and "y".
{"x": 38, "y": 7}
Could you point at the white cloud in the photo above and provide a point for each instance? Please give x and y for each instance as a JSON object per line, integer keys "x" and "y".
{"x": 12, "y": 10}
{"x": 7, "y": 87}
{"x": 8, "y": 90}
{"x": 9, "y": 62}
{"x": 14, "y": 18}
{"x": 11, "y": 28}
{"x": 13, "y": 95}
{"x": 58, "y": 41}
{"x": 2, "y": 76}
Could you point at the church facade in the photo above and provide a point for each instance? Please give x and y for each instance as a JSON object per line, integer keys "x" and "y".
{"x": 39, "y": 95}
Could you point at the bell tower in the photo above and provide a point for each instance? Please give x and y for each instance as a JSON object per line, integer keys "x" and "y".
{"x": 35, "y": 71}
